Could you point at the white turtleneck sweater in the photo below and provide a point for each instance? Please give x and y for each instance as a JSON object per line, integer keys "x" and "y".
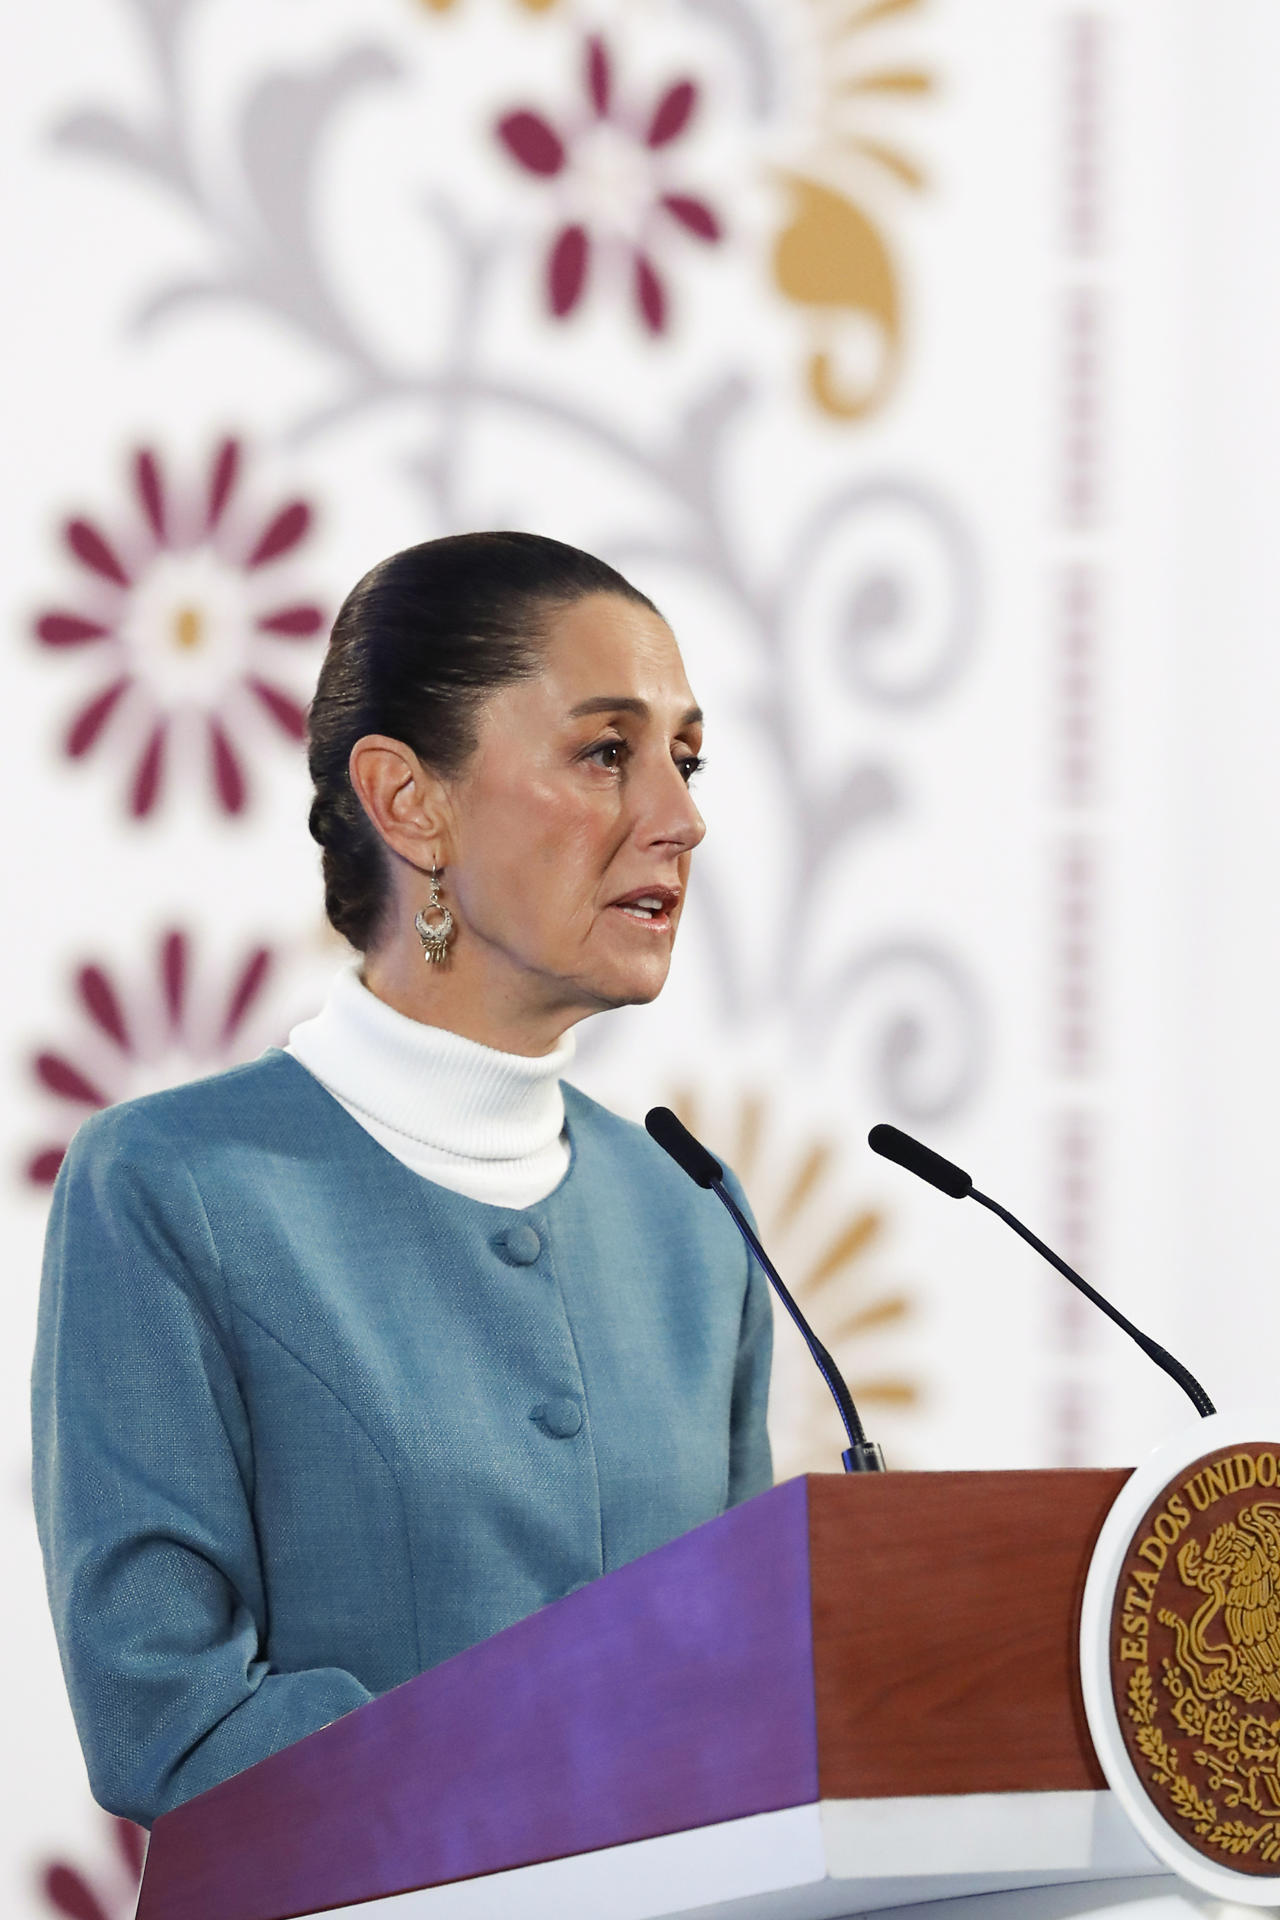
{"x": 486, "y": 1124}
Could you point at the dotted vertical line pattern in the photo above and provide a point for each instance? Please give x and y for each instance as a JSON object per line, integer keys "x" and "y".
{"x": 1077, "y": 634}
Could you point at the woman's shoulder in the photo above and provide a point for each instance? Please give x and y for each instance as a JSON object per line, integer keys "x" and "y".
{"x": 259, "y": 1097}
{"x": 621, "y": 1150}
{"x": 625, "y": 1142}
{"x": 589, "y": 1120}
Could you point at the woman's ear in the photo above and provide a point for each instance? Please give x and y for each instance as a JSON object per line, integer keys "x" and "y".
{"x": 406, "y": 801}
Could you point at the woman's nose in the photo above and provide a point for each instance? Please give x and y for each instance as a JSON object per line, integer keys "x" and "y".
{"x": 670, "y": 816}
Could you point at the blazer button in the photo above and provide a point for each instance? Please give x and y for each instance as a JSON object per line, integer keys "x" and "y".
{"x": 560, "y": 1417}
{"x": 520, "y": 1245}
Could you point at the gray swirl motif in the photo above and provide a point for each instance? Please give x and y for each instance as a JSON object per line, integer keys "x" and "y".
{"x": 878, "y": 591}
{"x": 894, "y": 644}
{"x": 910, "y": 1014}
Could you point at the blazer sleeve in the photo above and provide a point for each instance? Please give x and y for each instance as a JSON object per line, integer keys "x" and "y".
{"x": 143, "y": 1483}
{"x": 750, "y": 1458}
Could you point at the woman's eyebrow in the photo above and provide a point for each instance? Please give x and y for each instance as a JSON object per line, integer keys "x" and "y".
{"x": 625, "y": 703}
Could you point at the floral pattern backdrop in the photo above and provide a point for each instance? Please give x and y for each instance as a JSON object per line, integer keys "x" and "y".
{"x": 807, "y": 314}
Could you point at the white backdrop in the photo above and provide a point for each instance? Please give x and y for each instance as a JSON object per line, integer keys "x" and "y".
{"x": 918, "y": 360}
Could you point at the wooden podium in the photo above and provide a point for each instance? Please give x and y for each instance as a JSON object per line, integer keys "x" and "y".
{"x": 848, "y": 1693}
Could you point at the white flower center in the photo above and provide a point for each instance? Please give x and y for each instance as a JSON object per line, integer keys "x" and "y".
{"x": 188, "y": 627}
{"x": 614, "y": 180}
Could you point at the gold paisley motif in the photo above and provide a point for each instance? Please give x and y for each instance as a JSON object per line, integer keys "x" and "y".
{"x": 832, "y": 257}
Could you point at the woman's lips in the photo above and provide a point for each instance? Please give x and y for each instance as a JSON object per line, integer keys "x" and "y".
{"x": 648, "y": 909}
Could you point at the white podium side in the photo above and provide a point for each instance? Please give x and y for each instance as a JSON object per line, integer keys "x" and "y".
{"x": 826, "y": 1861}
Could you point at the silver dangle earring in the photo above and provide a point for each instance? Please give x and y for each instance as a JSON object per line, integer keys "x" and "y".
{"x": 435, "y": 938}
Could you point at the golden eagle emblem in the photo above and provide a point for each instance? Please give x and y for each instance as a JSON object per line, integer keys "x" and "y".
{"x": 1239, "y": 1571}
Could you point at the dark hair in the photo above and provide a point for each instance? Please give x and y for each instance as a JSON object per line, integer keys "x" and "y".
{"x": 416, "y": 647}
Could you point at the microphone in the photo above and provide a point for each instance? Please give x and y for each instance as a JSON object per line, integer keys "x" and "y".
{"x": 953, "y": 1181}
{"x": 861, "y": 1455}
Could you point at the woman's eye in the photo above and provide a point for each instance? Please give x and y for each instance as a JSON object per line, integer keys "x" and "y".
{"x": 612, "y": 755}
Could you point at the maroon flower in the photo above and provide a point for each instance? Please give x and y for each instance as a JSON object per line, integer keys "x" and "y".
{"x": 183, "y": 619}
{"x": 66, "y": 1891}
{"x": 611, "y": 169}
{"x": 157, "y": 1036}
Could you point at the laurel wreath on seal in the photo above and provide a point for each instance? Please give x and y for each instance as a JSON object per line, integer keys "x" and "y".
{"x": 1230, "y": 1836}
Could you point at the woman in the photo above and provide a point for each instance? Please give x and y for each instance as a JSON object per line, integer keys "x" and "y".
{"x": 353, "y": 1356}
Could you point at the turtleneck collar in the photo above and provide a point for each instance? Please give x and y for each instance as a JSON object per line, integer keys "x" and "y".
{"x": 482, "y": 1122}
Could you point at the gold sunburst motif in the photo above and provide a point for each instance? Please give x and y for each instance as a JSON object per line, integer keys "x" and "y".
{"x": 832, "y": 258}
{"x": 829, "y": 1255}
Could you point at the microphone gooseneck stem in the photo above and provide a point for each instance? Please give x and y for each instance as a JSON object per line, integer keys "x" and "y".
{"x": 1174, "y": 1368}
{"x": 861, "y": 1455}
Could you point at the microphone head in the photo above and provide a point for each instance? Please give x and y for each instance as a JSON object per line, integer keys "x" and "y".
{"x": 899, "y": 1147}
{"x": 687, "y": 1152}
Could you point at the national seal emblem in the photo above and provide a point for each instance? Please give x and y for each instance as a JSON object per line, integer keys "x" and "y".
{"x": 1195, "y": 1655}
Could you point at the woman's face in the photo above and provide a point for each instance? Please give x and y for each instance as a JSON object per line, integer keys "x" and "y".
{"x": 572, "y": 824}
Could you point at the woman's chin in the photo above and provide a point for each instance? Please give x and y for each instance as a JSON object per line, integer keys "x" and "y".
{"x": 634, "y": 985}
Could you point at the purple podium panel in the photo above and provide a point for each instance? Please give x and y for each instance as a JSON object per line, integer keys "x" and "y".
{"x": 675, "y": 1693}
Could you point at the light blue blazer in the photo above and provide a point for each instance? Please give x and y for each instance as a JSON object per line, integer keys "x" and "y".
{"x": 306, "y": 1423}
